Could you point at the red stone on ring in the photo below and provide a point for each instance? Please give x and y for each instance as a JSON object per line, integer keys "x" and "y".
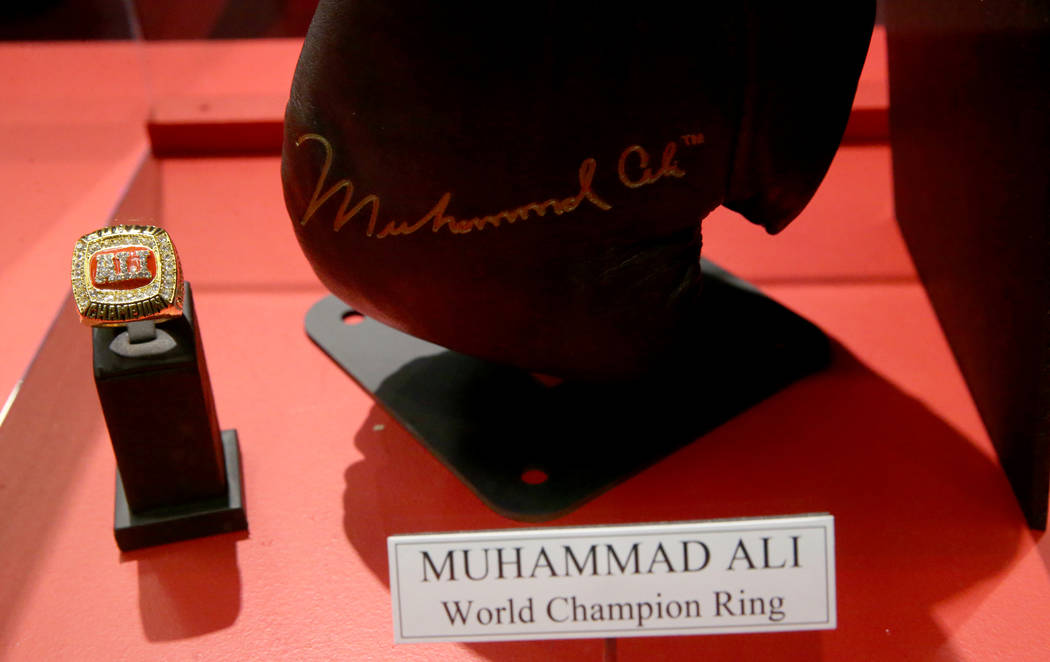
{"x": 123, "y": 268}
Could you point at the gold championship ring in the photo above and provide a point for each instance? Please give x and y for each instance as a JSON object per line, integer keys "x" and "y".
{"x": 126, "y": 273}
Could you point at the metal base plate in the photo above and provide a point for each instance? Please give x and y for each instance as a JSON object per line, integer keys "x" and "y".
{"x": 533, "y": 452}
{"x": 192, "y": 520}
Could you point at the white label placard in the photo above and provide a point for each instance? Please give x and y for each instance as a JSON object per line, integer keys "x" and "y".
{"x": 726, "y": 576}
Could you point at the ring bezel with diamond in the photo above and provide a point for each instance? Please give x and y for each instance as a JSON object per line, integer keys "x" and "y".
{"x": 126, "y": 273}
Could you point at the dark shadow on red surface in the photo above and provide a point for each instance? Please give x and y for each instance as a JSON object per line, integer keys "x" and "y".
{"x": 189, "y": 588}
{"x": 1042, "y": 542}
{"x": 921, "y": 514}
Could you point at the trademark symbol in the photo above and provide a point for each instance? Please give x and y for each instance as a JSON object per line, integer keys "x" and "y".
{"x": 690, "y": 139}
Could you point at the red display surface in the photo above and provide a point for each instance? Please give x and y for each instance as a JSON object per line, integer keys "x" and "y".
{"x": 934, "y": 559}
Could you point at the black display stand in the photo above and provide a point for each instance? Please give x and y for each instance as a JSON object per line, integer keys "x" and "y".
{"x": 178, "y": 476}
{"x": 533, "y": 451}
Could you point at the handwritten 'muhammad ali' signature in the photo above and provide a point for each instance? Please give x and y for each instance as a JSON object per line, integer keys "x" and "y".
{"x": 632, "y": 169}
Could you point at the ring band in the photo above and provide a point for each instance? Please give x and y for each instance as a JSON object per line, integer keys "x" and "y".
{"x": 126, "y": 273}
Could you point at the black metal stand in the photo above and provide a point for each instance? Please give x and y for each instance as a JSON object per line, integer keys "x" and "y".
{"x": 178, "y": 476}
{"x": 532, "y": 451}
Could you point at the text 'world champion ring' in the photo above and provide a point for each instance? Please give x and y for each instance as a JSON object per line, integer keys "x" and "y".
{"x": 126, "y": 273}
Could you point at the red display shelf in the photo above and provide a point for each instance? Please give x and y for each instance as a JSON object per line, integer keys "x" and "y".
{"x": 934, "y": 559}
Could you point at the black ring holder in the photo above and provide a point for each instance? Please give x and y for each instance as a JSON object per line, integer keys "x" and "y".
{"x": 533, "y": 451}
{"x": 178, "y": 475}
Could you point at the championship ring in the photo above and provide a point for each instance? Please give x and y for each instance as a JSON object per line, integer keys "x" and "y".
{"x": 126, "y": 273}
